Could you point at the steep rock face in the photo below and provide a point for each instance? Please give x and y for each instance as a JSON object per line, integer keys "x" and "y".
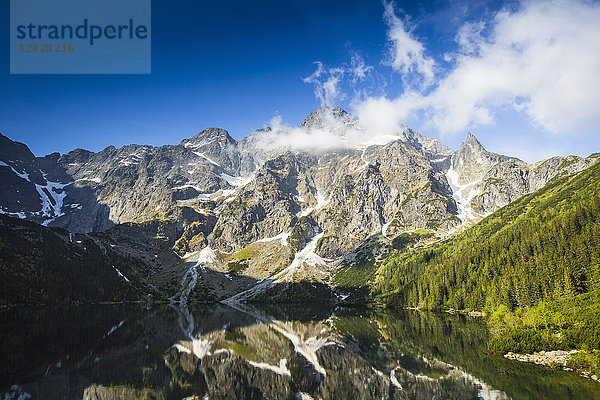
{"x": 263, "y": 208}
{"x": 140, "y": 183}
{"x": 426, "y": 196}
{"x": 349, "y": 194}
{"x": 506, "y": 182}
{"x": 19, "y": 194}
{"x": 435, "y": 151}
{"x": 84, "y": 191}
{"x": 483, "y": 181}
{"x": 318, "y": 190}
{"x": 216, "y": 146}
{"x": 357, "y": 206}
{"x": 472, "y": 161}
{"x": 26, "y": 190}
{"x": 381, "y": 189}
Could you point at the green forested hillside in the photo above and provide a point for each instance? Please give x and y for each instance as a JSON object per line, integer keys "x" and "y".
{"x": 545, "y": 246}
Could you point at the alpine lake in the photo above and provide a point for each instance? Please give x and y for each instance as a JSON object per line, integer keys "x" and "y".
{"x": 218, "y": 351}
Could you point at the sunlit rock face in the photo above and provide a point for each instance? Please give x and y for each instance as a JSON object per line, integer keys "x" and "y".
{"x": 284, "y": 204}
{"x": 351, "y": 180}
{"x": 482, "y": 182}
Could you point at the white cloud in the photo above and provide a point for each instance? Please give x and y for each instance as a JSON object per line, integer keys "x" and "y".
{"x": 281, "y": 137}
{"x": 470, "y": 38}
{"x": 542, "y": 60}
{"x": 384, "y": 115}
{"x": 358, "y": 69}
{"x": 407, "y": 53}
{"x": 330, "y": 134}
{"x": 326, "y": 82}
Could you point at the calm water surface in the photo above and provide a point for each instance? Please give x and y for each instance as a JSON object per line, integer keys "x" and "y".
{"x": 244, "y": 352}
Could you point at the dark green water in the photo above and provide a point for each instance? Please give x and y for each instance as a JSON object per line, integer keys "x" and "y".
{"x": 219, "y": 352}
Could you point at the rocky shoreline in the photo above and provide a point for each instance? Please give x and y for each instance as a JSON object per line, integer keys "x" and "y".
{"x": 551, "y": 359}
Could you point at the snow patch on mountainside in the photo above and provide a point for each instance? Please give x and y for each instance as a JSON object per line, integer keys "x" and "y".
{"x": 280, "y": 370}
{"x": 321, "y": 202}
{"x": 95, "y": 180}
{"x": 282, "y": 236}
{"x": 236, "y": 181}
{"x": 23, "y": 175}
{"x": 52, "y": 196}
{"x": 304, "y": 258}
{"x": 463, "y": 194}
{"x": 133, "y": 158}
{"x": 188, "y": 255}
{"x": 384, "y": 230}
{"x": 190, "y": 278}
{"x": 207, "y": 256}
{"x": 210, "y": 160}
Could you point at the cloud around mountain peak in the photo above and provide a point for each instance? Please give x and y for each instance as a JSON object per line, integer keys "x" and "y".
{"x": 538, "y": 60}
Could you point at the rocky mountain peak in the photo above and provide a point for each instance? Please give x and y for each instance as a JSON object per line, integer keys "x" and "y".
{"x": 471, "y": 145}
{"x": 215, "y": 146}
{"x": 11, "y": 150}
{"x": 472, "y": 160}
{"x": 472, "y": 141}
{"x": 208, "y": 136}
{"x": 471, "y": 151}
{"x": 328, "y": 116}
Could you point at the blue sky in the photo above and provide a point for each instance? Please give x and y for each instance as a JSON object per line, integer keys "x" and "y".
{"x": 237, "y": 64}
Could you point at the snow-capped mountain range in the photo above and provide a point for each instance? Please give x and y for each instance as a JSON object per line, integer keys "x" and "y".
{"x": 287, "y": 196}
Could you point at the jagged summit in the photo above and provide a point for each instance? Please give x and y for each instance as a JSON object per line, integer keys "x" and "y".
{"x": 216, "y": 146}
{"x": 208, "y": 136}
{"x": 483, "y": 181}
{"x": 472, "y": 152}
{"x": 328, "y": 116}
{"x": 473, "y": 149}
{"x": 473, "y": 142}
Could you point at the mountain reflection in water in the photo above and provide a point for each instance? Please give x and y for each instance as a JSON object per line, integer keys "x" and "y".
{"x": 245, "y": 352}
